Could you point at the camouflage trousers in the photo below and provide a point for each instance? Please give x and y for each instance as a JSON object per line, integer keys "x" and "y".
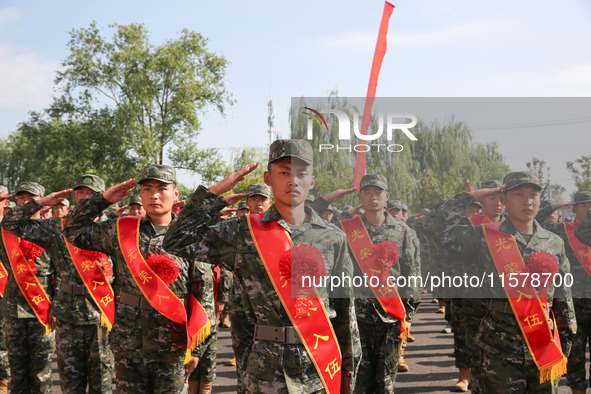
{"x": 4, "y": 368}
{"x": 474, "y": 310}
{"x": 380, "y": 347}
{"x": 205, "y": 370}
{"x": 242, "y": 333}
{"x": 457, "y": 317}
{"x": 501, "y": 376}
{"x": 84, "y": 358}
{"x": 149, "y": 354}
{"x": 576, "y": 375}
{"x": 29, "y": 354}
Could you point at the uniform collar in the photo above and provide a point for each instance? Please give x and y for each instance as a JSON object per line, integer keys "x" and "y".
{"x": 314, "y": 219}
{"x": 389, "y": 222}
{"x": 539, "y": 231}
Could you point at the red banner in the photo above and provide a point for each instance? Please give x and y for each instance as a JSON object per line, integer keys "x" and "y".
{"x": 378, "y": 58}
{"x": 582, "y": 251}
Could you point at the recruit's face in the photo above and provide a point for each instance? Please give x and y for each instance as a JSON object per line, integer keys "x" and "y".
{"x": 522, "y": 203}
{"x": 327, "y": 215}
{"x": 242, "y": 212}
{"x": 24, "y": 197}
{"x": 492, "y": 206}
{"x": 59, "y": 211}
{"x": 580, "y": 210}
{"x": 396, "y": 213}
{"x": 373, "y": 198}
{"x": 158, "y": 197}
{"x": 258, "y": 203}
{"x": 82, "y": 192}
{"x": 136, "y": 210}
{"x": 291, "y": 180}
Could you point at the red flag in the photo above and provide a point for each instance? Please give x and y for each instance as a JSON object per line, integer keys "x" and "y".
{"x": 378, "y": 57}
{"x": 469, "y": 187}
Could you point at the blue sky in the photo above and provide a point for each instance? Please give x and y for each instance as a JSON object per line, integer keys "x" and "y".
{"x": 454, "y": 48}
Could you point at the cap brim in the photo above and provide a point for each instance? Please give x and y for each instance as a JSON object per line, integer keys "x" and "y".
{"x": 157, "y": 179}
{"x": 524, "y": 183}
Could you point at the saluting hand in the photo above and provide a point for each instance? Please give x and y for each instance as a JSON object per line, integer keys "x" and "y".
{"x": 230, "y": 181}
{"x": 54, "y": 198}
{"x": 482, "y": 193}
{"x": 120, "y": 210}
{"x": 118, "y": 192}
{"x": 4, "y": 196}
{"x": 232, "y": 199}
{"x": 562, "y": 204}
{"x": 338, "y": 194}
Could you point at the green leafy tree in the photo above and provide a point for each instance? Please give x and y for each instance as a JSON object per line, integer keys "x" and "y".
{"x": 155, "y": 93}
{"x": 538, "y": 167}
{"x": 240, "y": 158}
{"x": 580, "y": 170}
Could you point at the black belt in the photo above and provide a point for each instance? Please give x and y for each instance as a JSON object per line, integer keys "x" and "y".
{"x": 135, "y": 301}
{"x": 73, "y": 289}
{"x": 287, "y": 335}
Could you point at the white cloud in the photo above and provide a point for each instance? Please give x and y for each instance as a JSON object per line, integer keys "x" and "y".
{"x": 26, "y": 78}
{"x": 9, "y": 15}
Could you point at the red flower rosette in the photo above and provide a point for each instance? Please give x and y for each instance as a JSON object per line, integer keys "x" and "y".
{"x": 301, "y": 261}
{"x": 92, "y": 255}
{"x": 165, "y": 267}
{"x": 30, "y": 252}
{"x": 542, "y": 263}
{"x": 387, "y": 254}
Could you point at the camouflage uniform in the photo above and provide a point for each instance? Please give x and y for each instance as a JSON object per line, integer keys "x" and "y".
{"x": 29, "y": 350}
{"x": 149, "y": 349}
{"x": 199, "y": 233}
{"x": 84, "y": 356}
{"x": 506, "y": 363}
{"x": 581, "y": 298}
{"x": 379, "y": 332}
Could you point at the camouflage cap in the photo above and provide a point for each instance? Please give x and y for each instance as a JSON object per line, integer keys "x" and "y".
{"x": 299, "y": 149}
{"x": 32, "y": 187}
{"x": 374, "y": 180}
{"x": 516, "y": 179}
{"x": 582, "y": 197}
{"x": 158, "y": 172}
{"x": 135, "y": 200}
{"x": 491, "y": 183}
{"x": 65, "y": 203}
{"x": 93, "y": 182}
{"x": 3, "y": 189}
{"x": 259, "y": 189}
{"x": 424, "y": 211}
{"x": 393, "y": 204}
{"x": 404, "y": 207}
{"x": 242, "y": 205}
{"x": 310, "y": 197}
{"x": 331, "y": 208}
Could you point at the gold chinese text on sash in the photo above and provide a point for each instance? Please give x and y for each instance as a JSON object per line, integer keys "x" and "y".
{"x": 526, "y": 305}
{"x": 26, "y": 280}
{"x": 96, "y": 282}
{"x": 156, "y": 291}
{"x": 385, "y": 292}
{"x": 313, "y": 327}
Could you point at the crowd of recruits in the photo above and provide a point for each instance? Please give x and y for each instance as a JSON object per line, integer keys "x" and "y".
{"x": 146, "y": 359}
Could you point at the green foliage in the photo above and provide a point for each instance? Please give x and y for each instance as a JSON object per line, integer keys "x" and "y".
{"x": 538, "y": 167}
{"x": 580, "y": 170}
{"x": 240, "y": 158}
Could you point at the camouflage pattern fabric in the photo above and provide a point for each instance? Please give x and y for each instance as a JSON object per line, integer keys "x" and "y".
{"x": 84, "y": 358}
{"x": 4, "y": 367}
{"x": 380, "y": 332}
{"x": 205, "y": 370}
{"x": 149, "y": 349}
{"x": 76, "y": 313}
{"x": 199, "y": 233}
{"x": 499, "y": 337}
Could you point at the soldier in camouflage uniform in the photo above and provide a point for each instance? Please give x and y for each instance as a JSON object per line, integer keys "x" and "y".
{"x": 4, "y": 368}
{"x": 29, "y": 350}
{"x": 379, "y": 332}
{"x": 149, "y": 348}
{"x": 135, "y": 206}
{"x": 581, "y": 289}
{"x": 506, "y": 363}
{"x": 273, "y": 364}
{"x": 83, "y": 353}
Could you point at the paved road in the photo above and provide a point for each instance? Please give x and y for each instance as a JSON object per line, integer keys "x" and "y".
{"x": 430, "y": 358}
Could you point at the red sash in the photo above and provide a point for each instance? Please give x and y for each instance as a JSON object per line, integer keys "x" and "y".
{"x": 26, "y": 280}
{"x": 3, "y": 279}
{"x": 96, "y": 283}
{"x": 477, "y": 219}
{"x": 314, "y": 327}
{"x": 582, "y": 251}
{"x": 526, "y": 305}
{"x": 156, "y": 291}
{"x": 362, "y": 246}
{"x": 216, "y": 275}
